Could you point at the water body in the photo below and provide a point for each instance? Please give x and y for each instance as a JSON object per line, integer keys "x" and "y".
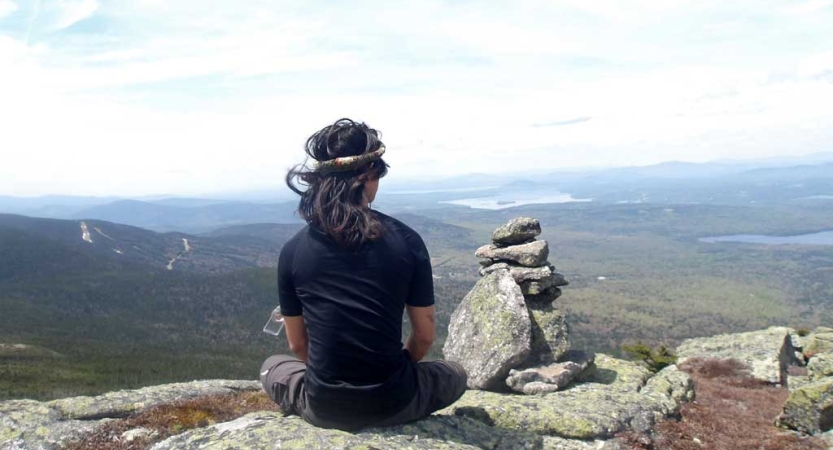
{"x": 510, "y": 200}
{"x": 822, "y": 238}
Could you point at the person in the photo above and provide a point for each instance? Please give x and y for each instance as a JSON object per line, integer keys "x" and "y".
{"x": 344, "y": 281}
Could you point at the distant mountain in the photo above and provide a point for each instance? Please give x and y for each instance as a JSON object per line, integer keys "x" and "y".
{"x": 54, "y": 206}
{"x": 94, "y": 245}
{"x": 435, "y": 233}
{"x": 193, "y": 218}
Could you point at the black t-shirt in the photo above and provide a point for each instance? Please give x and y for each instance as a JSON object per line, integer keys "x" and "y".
{"x": 353, "y": 303}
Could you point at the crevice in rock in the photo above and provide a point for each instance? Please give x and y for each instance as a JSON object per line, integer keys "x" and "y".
{"x": 826, "y": 419}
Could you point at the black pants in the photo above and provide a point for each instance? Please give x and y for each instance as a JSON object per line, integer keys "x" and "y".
{"x": 439, "y": 384}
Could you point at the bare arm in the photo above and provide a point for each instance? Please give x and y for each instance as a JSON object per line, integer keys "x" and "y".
{"x": 422, "y": 331}
{"x": 296, "y": 333}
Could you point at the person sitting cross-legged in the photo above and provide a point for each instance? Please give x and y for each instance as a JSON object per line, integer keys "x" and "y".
{"x": 344, "y": 281}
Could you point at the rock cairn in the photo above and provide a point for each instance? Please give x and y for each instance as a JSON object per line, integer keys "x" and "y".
{"x": 507, "y": 332}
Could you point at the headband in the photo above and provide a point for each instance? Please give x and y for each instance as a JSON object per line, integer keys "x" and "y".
{"x": 348, "y": 163}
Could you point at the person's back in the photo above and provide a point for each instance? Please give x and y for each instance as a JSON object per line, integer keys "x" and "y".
{"x": 344, "y": 282}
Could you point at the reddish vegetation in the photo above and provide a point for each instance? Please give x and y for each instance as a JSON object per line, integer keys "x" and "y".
{"x": 733, "y": 411}
{"x": 168, "y": 420}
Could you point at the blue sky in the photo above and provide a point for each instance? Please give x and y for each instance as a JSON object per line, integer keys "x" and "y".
{"x": 133, "y": 97}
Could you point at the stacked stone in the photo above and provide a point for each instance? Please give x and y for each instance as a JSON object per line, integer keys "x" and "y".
{"x": 507, "y": 332}
{"x": 515, "y": 248}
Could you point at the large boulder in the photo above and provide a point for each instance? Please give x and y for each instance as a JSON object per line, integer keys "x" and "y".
{"x": 532, "y": 254}
{"x": 517, "y": 231}
{"x": 768, "y": 353}
{"x": 490, "y": 331}
{"x": 617, "y": 396}
{"x": 809, "y": 409}
{"x": 550, "y": 333}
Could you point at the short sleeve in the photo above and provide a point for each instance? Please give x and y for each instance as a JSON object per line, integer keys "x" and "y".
{"x": 290, "y": 305}
{"x": 421, "y": 291}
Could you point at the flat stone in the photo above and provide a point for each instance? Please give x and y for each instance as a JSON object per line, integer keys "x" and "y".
{"x": 820, "y": 366}
{"x": 490, "y": 331}
{"x": 122, "y": 403}
{"x": 272, "y": 430}
{"x": 536, "y": 288}
{"x": 809, "y": 409}
{"x": 619, "y": 395}
{"x": 533, "y": 254}
{"x": 550, "y": 334}
{"x": 548, "y": 296}
{"x": 533, "y": 280}
{"x": 768, "y": 353}
{"x": 550, "y": 378}
{"x": 517, "y": 231}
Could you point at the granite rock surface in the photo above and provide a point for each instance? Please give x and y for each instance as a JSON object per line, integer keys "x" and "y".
{"x": 768, "y": 352}
{"x": 490, "y": 332}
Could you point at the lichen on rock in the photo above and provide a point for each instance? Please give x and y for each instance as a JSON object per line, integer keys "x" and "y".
{"x": 820, "y": 366}
{"x": 819, "y": 341}
{"x": 490, "y": 332}
{"x": 272, "y": 430}
{"x": 122, "y": 403}
{"x": 607, "y": 402}
{"x": 809, "y": 409}
{"x": 550, "y": 334}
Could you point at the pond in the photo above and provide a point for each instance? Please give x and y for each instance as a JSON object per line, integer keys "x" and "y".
{"x": 822, "y": 238}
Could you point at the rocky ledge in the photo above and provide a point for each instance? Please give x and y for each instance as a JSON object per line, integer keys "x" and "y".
{"x": 617, "y": 396}
{"x": 28, "y": 424}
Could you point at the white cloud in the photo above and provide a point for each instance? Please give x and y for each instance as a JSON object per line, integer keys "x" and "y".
{"x": 56, "y": 15}
{"x": 7, "y": 8}
{"x": 189, "y": 97}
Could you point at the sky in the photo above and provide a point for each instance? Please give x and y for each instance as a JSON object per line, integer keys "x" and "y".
{"x": 186, "y": 97}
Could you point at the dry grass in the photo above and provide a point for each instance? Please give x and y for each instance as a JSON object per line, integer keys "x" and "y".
{"x": 733, "y": 411}
{"x": 167, "y": 420}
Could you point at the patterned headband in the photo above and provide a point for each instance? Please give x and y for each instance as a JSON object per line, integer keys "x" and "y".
{"x": 348, "y": 163}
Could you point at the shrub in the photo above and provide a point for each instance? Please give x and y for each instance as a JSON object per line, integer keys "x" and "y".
{"x": 655, "y": 359}
{"x": 168, "y": 420}
{"x": 733, "y": 411}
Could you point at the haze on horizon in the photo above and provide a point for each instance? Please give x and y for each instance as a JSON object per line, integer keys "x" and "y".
{"x": 129, "y": 97}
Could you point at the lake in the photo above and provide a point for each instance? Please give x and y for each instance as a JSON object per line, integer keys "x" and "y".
{"x": 822, "y": 238}
{"x": 512, "y": 199}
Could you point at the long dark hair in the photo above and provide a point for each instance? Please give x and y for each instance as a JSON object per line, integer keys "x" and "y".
{"x": 333, "y": 202}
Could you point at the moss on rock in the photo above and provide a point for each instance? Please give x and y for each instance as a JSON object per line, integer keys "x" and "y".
{"x": 807, "y": 406}
{"x": 272, "y": 430}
